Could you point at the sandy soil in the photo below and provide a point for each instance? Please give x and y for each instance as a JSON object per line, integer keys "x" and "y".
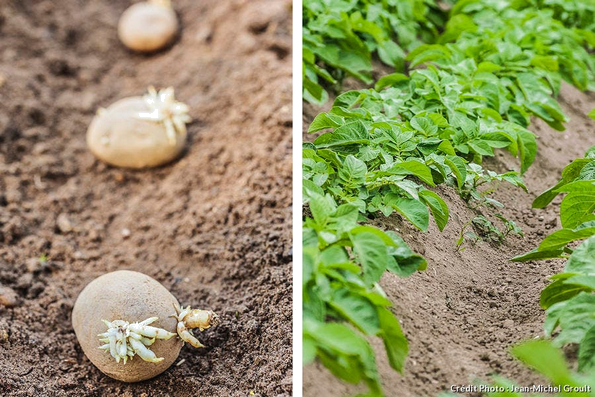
{"x": 214, "y": 227}
{"x": 463, "y": 314}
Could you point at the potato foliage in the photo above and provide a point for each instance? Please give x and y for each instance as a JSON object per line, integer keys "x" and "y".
{"x": 467, "y": 82}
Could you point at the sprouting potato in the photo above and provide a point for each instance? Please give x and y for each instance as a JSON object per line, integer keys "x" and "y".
{"x": 140, "y": 132}
{"x": 131, "y": 327}
{"x": 148, "y": 26}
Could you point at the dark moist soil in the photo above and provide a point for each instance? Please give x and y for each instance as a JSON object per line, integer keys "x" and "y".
{"x": 213, "y": 227}
{"x": 470, "y": 306}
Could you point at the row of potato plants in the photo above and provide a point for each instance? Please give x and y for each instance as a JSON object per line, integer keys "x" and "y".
{"x": 341, "y": 38}
{"x": 496, "y": 65}
{"x": 569, "y": 300}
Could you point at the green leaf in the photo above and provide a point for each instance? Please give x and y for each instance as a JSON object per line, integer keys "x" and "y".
{"x": 559, "y": 291}
{"x": 314, "y": 93}
{"x": 457, "y": 25}
{"x": 577, "y": 207}
{"x": 394, "y": 340}
{"x": 582, "y": 259}
{"x": 370, "y": 229}
{"x": 575, "y": 318}
{"x": 586, "y": 352}
{"x": 569, "y": 174}
{"x": 345, "y": 353}
{"x": 588, "y": 172}
{"x": 458, "y": 168}
{"x": 548, "y": 63}
{"x": 402, "y": 260}
{"x": 584, "y": 281}
{"x": 321, "y": 207}
{"x": 348, "y": 134}
{"x": 545, "y": 359}
{"x": 427, "y": 53}
{"x": 309, "y": 350}
{"x": 527, "y": 149}
{"x": 390, "y": 80}
{"x": 424, "y": 125}
{"x": 333, "y": 255}
{"x": 341, "y": 338}
{"x": 413, "y": 167}
{"x": 390, "y": 53}
{"x": 357, "y": 309}
{"x": 537, "y": 254}
{"x": 347, "y": 99}
{"x": 353, "y": 170}
{"x": 324, "y": 121}
{"x": 562, "y": 237}
{"x": 310, "y": 189}
{"x": 413, "y": 210}
{"x": 437, "y": 206}
{"x": 345, "y": 218}
{"x": 372, "y": 253}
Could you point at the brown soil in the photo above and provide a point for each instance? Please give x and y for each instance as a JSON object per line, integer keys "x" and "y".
{"x": 470, "y": 306}
{"x": 214, "y": 227}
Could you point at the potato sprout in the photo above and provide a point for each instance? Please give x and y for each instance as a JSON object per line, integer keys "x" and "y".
{"x": 188, "y": 318}
{"x": 124, "y": 340}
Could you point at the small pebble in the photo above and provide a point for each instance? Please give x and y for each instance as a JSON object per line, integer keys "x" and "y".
{"x": 8, "y": 297}
{"x": 33, "y": 265}
{"x": 64, "y": 223}
{"x": 94, "y": 235}
{"x": 125, "y": 233}
{"x": 13, "y": 196}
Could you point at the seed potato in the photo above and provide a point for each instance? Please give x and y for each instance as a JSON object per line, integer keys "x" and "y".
{"x": 130, "y": 296}
{"x": 148, "y": 26}
{"x": 119, "y": 135}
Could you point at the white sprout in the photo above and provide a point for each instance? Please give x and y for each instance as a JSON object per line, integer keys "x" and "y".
{"x": 166, "y": 110}
{"x": 188, "y": 319}
{"x": 123, "y": 340}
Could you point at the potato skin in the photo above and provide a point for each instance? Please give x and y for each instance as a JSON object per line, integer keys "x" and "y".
{"x": 130, "y": 296}
{"x": 147, "y": 27}
{"x": 133, "y": 143}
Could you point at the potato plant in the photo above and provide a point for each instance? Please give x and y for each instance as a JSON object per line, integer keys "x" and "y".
{"x": 382, "y": 162}
{"x": 569, "y": 300}
{"x": 343, "y": 303}
{"x": 340, "y": 38}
